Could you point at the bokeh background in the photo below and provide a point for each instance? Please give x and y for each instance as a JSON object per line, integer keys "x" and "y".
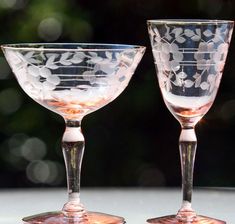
{"x": 133, "y": 141}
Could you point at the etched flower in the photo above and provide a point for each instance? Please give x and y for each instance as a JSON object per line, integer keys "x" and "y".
{"x": 204, "y": 85}
{"x": 33, "y": 70}
{"x": 179, "y": 78}
{"x": 178, "y": 56}
{"x": 202, "y": 64}
{"x": 174, "y": 65}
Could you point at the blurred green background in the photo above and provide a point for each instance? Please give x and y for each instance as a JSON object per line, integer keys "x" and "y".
{"x": 133, "y": 141}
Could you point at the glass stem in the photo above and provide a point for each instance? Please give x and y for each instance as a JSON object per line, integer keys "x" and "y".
{"x": 73, "y": 148}
{"x": 187, "y": 146}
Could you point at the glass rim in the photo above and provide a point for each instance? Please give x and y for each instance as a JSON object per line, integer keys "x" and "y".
{"x": 60, "y": 46}
{"x": 189, "y": 21}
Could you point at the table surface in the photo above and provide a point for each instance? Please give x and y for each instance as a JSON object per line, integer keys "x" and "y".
{"x": 135, "y": 204}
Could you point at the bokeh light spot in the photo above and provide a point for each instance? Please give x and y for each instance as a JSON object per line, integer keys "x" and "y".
{"x": 44, "y": 171}
{"x": 17, "y": 140}
{"x": 7, "y": 3}
{"x": 10, "y": 101}
{"x": 33, "y": 149}
{"x": 50, "y": 29}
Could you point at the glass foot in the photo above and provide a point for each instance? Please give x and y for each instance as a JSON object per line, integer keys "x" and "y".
{"x": 58, "y": 218}
{"x": 171, "y": 219}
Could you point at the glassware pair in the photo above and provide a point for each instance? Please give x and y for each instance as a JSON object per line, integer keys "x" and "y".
{"x": 74, "y": 80}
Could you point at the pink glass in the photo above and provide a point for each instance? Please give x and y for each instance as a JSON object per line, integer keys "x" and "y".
{"x": 189, "y": 56}
{"x": 73, "y": 80}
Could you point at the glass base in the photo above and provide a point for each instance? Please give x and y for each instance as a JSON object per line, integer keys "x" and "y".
{"x": 171, "y": 219}
{"x": 58, "y": 218}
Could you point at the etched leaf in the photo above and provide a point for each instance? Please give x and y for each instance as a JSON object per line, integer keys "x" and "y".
{"x": 65, "y": 62}
{"x": 188, "y": 83}
{"x": 196, "y": 75}
{"x": 52, "y": 66}
{"x": 95, "y": 60}
{"x": 216, "y": 38}
{"x": 33, "y": 61}
{"x": 177, "y": 31}
{"x": 208, "y": 33}
{"x": 198, "y": 32}
{"x": 155, "y": 30}
{"x": 198, "y": 81}
{"x": 117, "y": 55}
{"x": 108, "y": 54}
{"x": 50, "y": 62}
{"x": 180, "y": 39}
{"x": 51, "y": 59}
{"x": 78, "y": 57}
{"x": 189, "y": 33}
{"x": 76, "y": 60}
{"x": 81, "y": 55}
{"x": 93, "y": 54}
{"x": 29, "y": 54}
{"x": 195, "y": 38}
{"x": 65, "y": 56}
{"x": 64, "y": 59}
{"x": 168, "y": 37}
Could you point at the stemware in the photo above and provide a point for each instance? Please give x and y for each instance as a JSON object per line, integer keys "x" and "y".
{"x": 73, "y": 80}
{"x": 189, "y": 56}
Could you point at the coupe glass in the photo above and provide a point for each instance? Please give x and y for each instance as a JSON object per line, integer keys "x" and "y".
{"x": 189, "y": 56}
{"x": 73, "y": 80}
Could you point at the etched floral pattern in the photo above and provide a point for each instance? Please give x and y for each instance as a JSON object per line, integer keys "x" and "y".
{"x": 74, "y": 74}
{"x": 189, "y": 56}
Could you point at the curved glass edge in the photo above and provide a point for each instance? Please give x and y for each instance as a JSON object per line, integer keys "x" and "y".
{"x": 70, "y": 46}
{"x": 189, "y": 21}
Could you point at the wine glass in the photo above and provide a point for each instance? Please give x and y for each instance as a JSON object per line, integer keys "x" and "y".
{"x": 73, "y": 80}
{"x": 189, "y": 57}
